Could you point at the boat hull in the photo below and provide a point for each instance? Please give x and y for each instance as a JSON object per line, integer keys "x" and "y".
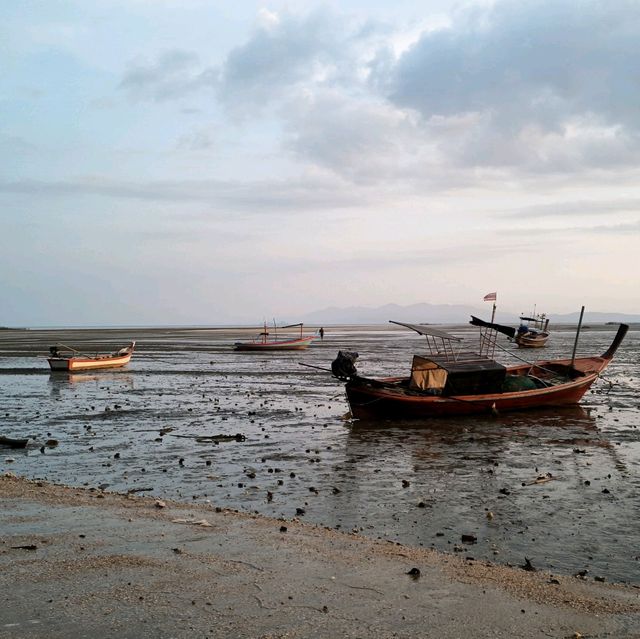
{"x": 371, "y": 402}
{"x": 12, "y": 442}
{"x": 282, "y": 345}
{"x": 73, "y": 364}
{"x": 532, "y": 341}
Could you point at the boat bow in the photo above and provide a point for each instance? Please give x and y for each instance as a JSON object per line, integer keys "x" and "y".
{"x": 617, "y": 340}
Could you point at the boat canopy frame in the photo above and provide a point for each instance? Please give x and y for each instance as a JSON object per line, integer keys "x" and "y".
{"x": 489, "y": 335}
{"x": 439, "y": 342}
{"x": 539, "y": 322}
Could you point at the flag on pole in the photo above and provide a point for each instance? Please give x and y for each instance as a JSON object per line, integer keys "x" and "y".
{"x": 490, "y": 297}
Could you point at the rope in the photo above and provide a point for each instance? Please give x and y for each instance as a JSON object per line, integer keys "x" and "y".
{"x": 373, "y": 401}
{"x": 73, "y": 349}
{"x": 522, "y": 359}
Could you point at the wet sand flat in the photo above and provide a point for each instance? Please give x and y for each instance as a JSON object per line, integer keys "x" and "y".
{"x": 166, "y": 426}
{"x": 81, "y": 563}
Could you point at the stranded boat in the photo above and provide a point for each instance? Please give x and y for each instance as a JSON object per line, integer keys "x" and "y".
{"x": 533, "y": 332}
{"x": 12, "y": 442}
{"x": 266, "y": 342}
{"x": 71, "y": 360}
{"x": 450, "y": 381}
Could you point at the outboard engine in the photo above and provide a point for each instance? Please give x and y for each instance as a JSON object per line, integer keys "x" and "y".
{"x": 343, "y": 367}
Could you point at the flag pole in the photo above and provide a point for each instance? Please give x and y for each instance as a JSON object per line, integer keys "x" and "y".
{"x": 492, "y": 297}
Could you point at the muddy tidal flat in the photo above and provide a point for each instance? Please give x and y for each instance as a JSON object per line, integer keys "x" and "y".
{"x": 193, "y": 421}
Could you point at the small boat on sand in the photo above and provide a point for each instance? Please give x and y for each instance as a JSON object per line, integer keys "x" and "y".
{"x": 533, "y": 332}
{"x": 449, "y": 381}
{"x": 70, "y": 360}
{"x": 266, "y": 341}
{"x": 13, "y": 442}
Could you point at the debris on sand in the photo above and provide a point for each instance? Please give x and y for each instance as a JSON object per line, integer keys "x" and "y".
{"x": 193, "y": 522}
{"x": 215, "y": 439}
{"x": 540, "y": 479}
{"x": 25, "y": 547}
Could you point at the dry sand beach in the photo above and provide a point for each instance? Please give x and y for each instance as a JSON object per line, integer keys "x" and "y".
{"x": 81, "y": 563}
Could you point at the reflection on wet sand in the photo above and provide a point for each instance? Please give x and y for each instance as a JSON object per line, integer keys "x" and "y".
{"x": 534, "y": 424}
{"x": 59, "y": 380}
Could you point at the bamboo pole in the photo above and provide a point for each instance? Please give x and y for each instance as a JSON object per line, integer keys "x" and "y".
{"x": 74, "y": 350}
{"x": 575, "y": 344}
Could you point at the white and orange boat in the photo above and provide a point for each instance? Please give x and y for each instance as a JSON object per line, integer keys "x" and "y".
{"x": 71, "y": 360}
{"x": 533, "y": 332}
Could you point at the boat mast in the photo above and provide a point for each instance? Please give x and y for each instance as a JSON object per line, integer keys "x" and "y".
{"x": 575, "y": 344}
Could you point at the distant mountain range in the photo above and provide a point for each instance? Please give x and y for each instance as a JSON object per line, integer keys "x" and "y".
{"x": 444, "y": 314}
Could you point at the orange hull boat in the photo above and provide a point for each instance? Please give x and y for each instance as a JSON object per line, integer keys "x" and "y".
{"x": 437, "y": 386}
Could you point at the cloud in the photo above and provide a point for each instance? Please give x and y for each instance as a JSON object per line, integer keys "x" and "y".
{"x": 289, "y": 53}
{"x": 199, "y": 140}
{"x": 18, "y": 144}
{"x": 541, "y": 88}
{"x": 499, "y": 90}
{"x": 175, "y": 74}
{"x": 356, "y": 137}
{"x": 578, "y": 208}
{"x": 392, "y": 255}
{"x": 251, "y": 198}
{"x": 544, "y": 85}
{"x": 622, "y": 229}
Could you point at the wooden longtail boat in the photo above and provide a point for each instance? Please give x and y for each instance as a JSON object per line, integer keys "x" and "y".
{"x": 533, "y": 332}
{"x": 12, "y": 442}
{"x": 449, "y": 381}
{"x": 71, "y": 360}
{"x": 265, "y": 343}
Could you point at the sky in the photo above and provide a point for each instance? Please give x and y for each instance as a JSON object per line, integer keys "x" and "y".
{"x": 209, "y": 162}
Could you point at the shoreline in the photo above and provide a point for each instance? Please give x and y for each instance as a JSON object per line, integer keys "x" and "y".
{"x": 78, "y": 561}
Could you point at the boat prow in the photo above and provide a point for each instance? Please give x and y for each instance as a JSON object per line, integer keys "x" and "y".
{"x": 617, "y": 340}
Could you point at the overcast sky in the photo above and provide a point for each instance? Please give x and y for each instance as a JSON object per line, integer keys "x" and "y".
{"x": 192, "y": 161}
